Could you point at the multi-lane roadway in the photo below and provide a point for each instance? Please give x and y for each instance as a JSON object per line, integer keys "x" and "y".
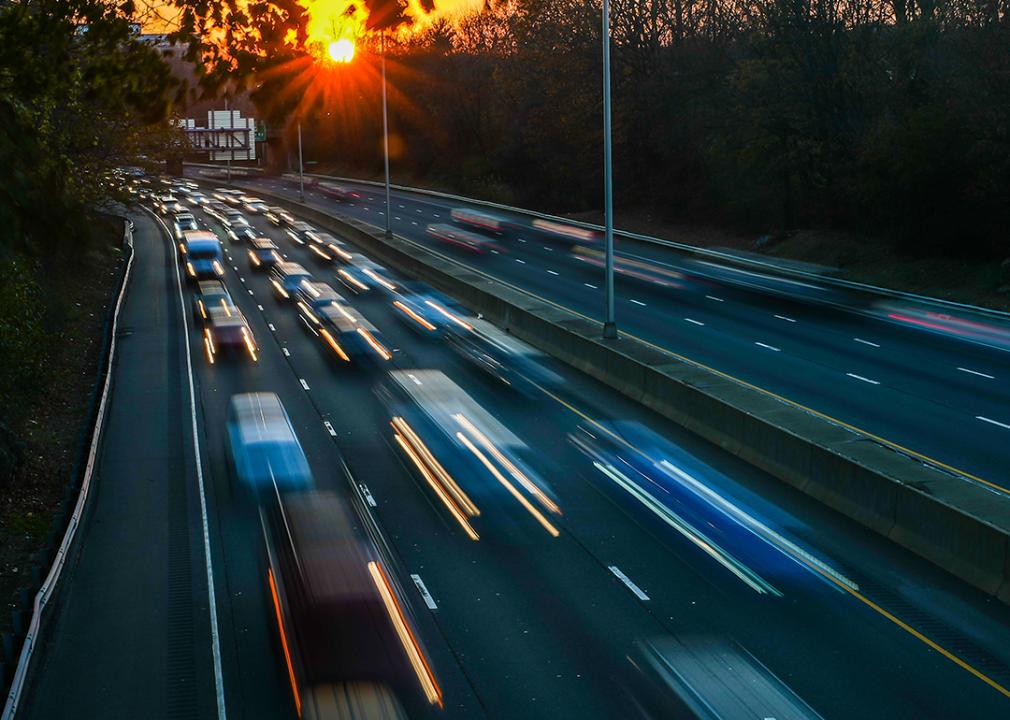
{"x": 164, "y": 610}
{"x": 888, "y": 370}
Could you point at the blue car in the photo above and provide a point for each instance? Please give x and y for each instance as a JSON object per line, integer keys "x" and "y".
{"x": 202, "y": 255}
{"x": 264, "y": 449}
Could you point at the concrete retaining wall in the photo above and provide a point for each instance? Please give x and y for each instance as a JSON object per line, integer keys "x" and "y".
{"x": 948, "y": 520}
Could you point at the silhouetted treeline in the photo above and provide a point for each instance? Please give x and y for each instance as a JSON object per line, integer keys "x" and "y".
{"x": 891, "y": 118}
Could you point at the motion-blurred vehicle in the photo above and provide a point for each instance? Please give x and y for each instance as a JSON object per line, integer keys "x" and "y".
{"x": 169, "y": 204}
{"x": 479, "y": 220}
{"x": 652, "y": 272}
{"x": 566, "y": 233}
{"x": 233, "y": 218}
{"x": 299, "y": 231}
{"x": 315, "y": 295}
{"x": 263, "y": 447}
{"x": 229, "y": 196}
{"x": 462, "y": 238}
{"x": 345, "y": 333}
{"x": 296, "y": 180}
{"x": 201, "y": 253}
{"x": 253, "y": 205}
{"x": 333, "y": 249}
{"x": 708, "y": 678}
{"x": 243, "y": 234}
{"x": 263, "y": 254}
{"x": 287, "y": 277}
{"x": 215, "y": 208}
{"x": 226, "y": 330}
{"x": 426, "y": 311}
{"x": 183, "y": 222}
{"x": 197, "y": 198}
{"x": 337, "y": 192}
{"x": 273, "y": 214}
{"x": 346, "y": 636}
{"x": 208, "y": 294}
{"x": 500, "y": 357}
{"x": 468, "y": 458}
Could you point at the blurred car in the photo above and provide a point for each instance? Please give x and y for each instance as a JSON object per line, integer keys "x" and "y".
{"x": 229, "y": 196}
{"x": 296, "y": 180}
{"x": 315, "y": 295}
{"x": 243, "y": 233}
{"x": 299, "y": 231}
{"x": 287, "y": 277}
{"x": 211, "y": 293}
{"x": 215, "y": 208}
{"x": 565, "y": 233}
{"x": 273, "y": 214}
{"x": 426, "y": 311}
{"x": 263, "y": 447}
{"x": 201, "y": 253}
{"x": 162, "y": 201}
{"x": 226, "y": 330}
{"x": 197, "y": 199}
{"x": 182, "y": 222}
{"x": 346, "y": 637}
{"x": 253, "y": 205}
{"x": 337, "y": 192}
{"x": 479, "y": 220}
{"x": 352, "y": 277}
{"x": 233, "y": 218}
{"x": 264, "y": 254}
{"x": 462, "y": 238}
{"x": 327, "y": 247}
{"x": 345, "y": 332}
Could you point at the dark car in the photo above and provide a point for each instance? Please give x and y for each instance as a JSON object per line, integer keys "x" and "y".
{"x": 337, "y": 192}
{"x": 264, "y": 254}
{"x": 287, "y": 277}
{"x": 208, "y": 294}
{"x": 227, "y": 331}
{"x": 299, "y": 231}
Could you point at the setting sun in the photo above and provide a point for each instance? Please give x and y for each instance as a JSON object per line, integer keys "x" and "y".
{"x": 342, "y": 50}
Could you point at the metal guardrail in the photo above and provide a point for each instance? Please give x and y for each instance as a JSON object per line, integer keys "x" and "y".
{"x": 694, "y": 250}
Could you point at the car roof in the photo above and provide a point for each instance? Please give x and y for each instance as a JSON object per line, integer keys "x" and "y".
{"x": 291, "y": 268}
{"x": 261, "y": 418}
{"x": 264, "y": 243}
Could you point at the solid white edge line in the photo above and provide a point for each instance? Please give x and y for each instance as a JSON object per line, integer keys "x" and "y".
{"x": 864, "y": 379}
{"x": 639, "y": 593}
{"x": 42, "y": 596}
{"x": 421, "y": 588}
{"x": 329, "y": 428}
{"x": 976, "y": 372}
{"x": 992, "y": 422}
{"x": 211, "y": 594}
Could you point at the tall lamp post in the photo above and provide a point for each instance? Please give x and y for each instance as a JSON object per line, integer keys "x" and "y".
{"x": 609, "y": 323}
{"x": 301, "y": 171}
{"x": 385, "y": 134}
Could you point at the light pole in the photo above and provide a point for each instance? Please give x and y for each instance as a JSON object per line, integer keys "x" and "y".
{"x": 385, "y": 133}
{"x": 301, "y": 172}
{"x": 609, "y": 324}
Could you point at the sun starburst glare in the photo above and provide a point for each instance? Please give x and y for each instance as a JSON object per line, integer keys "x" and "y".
{"x": 342, "y": 50}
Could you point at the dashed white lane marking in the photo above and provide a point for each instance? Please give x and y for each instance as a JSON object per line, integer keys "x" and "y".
{"x": 865, "y": 342}
{"x": 694, "y": 322}
{"x": 713, "y": 297}
{"x": 436, "y": 215}
{"x": 590, "y": 285}
{"x": 639, "y": 593}
{"x": 368, "y": 495}
{"x": 305, "y": 385}
{"x": 637, "y": 302}
{"x": 495, "y": 252}
{"x": 413, "y": 222}
{"x": 767, "y": 347}
{"x": 548, "y": 249}
{"x": 521, "y": 262}
{"x": 234, "y": 267}
{"x": 418, "y": 212}
{"x": 992, "y": 422}
{"x": 329, "y": 428}
{"x": 401, "y": 206}
{"x": 976, "y": 372}
{"x": 260, "y": 308}
{"x": 521, "y": 240}
{"x": 241, "y": 279}
{"x": 783, "y": 317}
{"x": 864, "y": 379}
{"x": 285, "y": 351}
{"x": 251, "y": 292}
{"x": 553, "y": 273}
{"x": 272, "y": 328}
{"x": 428, "y": 599}
{"x": 397, "y": 217}
{"x": 413, "y": 377}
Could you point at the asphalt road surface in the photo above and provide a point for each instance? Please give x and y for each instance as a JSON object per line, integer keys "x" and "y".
{"x": 935, "y": 394}
{"x": 520, "y": 624}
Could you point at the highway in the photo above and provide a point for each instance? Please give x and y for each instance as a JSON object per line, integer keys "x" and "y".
{"x": 878, "y": 369}
{"x": 522, "y": 622}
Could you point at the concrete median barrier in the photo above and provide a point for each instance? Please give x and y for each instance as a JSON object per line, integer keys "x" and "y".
{"x": 957, "y": 524}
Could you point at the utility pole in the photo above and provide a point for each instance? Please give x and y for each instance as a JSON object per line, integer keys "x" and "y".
{"x": 301, "y": 172}
{"x": 609, "y": 322}
{"x": 385, "y": 135}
